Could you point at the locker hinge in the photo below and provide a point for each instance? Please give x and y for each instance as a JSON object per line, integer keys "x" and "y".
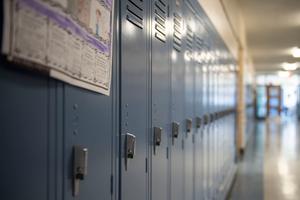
{"x": 111, "y": 184}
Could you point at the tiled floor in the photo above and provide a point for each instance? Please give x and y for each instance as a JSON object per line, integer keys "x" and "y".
{"x": 270, "y": 168}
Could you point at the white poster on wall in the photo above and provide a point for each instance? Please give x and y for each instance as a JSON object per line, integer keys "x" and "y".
{"x": 71, "y": 39}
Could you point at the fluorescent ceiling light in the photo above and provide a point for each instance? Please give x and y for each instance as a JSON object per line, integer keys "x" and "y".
{"x": 296, "y": 52}
{"x": 289, "y": 66}
{"x": 283, "y": 74}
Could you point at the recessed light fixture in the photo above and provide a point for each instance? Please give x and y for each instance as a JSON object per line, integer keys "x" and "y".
{"x": 289, "y": 66}
{"x": 296, "y": 52}
{"x": 283, "y": 74}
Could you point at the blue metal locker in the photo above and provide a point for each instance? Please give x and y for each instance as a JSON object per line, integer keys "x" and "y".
{"x": 134, "y": 97}
{"x": 24, "y": 133}
{"x": 211, "y": 125}
{"x": 161, "y": 97}
{"x": 218, "y": 130}
{"x": 213, "y": 111}
{"x": 205, "y": 120}
{"x": 222, "y": 121}
{"x": 88, "y": 123}
{"x": 190, "y": 25}
{"x": 198, "y": 147}
{"x": 28, "y": 134}
{"x": 177, "y": 102}
{"x": 216, "y": 112}
{"x": 210, "y": 110}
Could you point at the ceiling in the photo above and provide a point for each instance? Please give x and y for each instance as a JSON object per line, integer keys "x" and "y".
{"x": 273, "y": 29}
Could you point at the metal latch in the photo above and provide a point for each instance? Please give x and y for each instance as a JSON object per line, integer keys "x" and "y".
{"x": 175, "y": 129}
{"x": 157, "y": 137}
{"x": 130, "y": 141}
{"x": 198, "y": 122}
{"x": 212, "y": 117}
{"x": 206, "y": 119}
{"x": 188, "y": 125}
{"x": 80, "y": 161}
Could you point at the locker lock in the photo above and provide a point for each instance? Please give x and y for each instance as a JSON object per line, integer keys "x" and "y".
{"x": 216, "y": 115}
{"x": 198, "y": 122}
{"x": 80, "y": 161}
{"x": 129, "y": 145}
{"x": 188, "y": 125}
{"x": 157, "y": 137}
{"x": 129, "y": 148}
{"x": 175, "y": 129}
{"x": 206, "y": 119}
{"x": 212, "y": 117}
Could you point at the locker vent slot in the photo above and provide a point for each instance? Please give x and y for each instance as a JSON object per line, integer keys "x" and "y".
{"x": 199, "y": 46}
{"x": 177, "y": 34}
{"x": 189, "y": 38}
{"x": 160, "y": 19}
{"x": 135, "y": 12}
{"x": 199, "y": 43}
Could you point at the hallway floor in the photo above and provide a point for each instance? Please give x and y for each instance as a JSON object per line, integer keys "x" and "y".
{"x": 270, "y": 168}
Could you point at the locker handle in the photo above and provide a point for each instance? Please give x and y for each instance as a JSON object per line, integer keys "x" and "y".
{"x": 215, "y": 116}
{"x": 198, "y": 122}
{"x": 157, "y": 137}
{"x": 175, "y": 129}
{"x": 218, "y": 116}
{"x": 206, "y": 119}
{"x": 130, "y": 143}
{"x": 188, "y": 125}
{"x": 80, "y": 162}
{"x": 211, "y": 117}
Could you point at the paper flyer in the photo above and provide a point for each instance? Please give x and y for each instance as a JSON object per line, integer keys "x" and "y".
{"x": 72, "y": 39}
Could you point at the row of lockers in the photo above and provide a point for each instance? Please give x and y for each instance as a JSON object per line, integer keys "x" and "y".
{"x": 166, "y": 132}
{"x": 192, "y": 78}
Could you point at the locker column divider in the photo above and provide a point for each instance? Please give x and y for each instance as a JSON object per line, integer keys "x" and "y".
{"x": 149, "y": 103}
{"x": 116, "y": 130}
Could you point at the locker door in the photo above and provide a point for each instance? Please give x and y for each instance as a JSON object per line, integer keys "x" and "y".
{"x": 134, "y": 97}
{"x": 190, "y": 25}
{"x": 198, "y": 117}
{"x": 24, "y": 140}
{"x": 177, "y": 102}
{"x": 210, "y": 111}
{"x": 88, "y": 124}
{"x": 161, "y": 96}
{"x": 222, "y": 131}
{"x": 218, "y": 130}
{"x": 205, "y": 101}
{"x": 214, "y": 125}
{"x": 211, "y": 125}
